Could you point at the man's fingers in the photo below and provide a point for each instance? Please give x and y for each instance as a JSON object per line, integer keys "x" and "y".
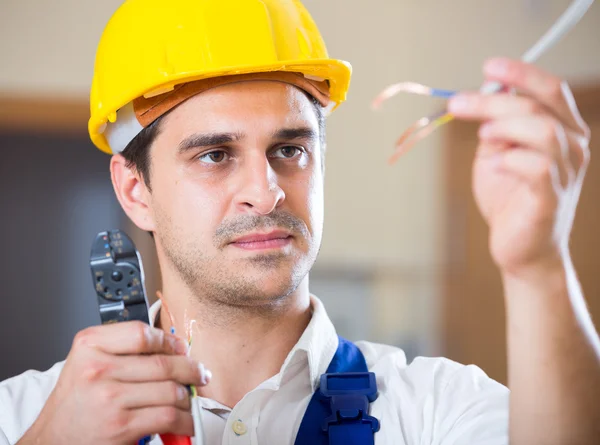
{"x": 476, "y": 106}
{"x": 160, "y": 420}
{"x": 157, "y": 368}
{"x": 541, "y": 133}
{"x": 533, "y": 168}
{"x": 133, "y": 337}
{"x": 482, "y": 107}
{"x": 144, "y": 395}
{"x": 542, "y": 86}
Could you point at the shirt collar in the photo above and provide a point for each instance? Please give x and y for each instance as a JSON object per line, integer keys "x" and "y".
{"x": 318, "y": 342}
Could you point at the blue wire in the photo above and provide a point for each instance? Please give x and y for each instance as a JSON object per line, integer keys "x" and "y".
{"x": 446, "y": 94}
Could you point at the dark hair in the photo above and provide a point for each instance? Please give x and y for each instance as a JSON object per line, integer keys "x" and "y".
{"x": 137, "y": 152}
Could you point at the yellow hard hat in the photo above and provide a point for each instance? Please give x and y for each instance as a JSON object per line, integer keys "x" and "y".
{"x": 150, "y": 46}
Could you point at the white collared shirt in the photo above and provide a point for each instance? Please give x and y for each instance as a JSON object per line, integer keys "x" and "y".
{"x": 432, "y": 401}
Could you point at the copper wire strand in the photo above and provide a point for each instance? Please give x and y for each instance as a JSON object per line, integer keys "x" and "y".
{"x": 188, "y": 324}
{"x": 190, "y": 334}
{"x": 424, "y": 126}
{"x": 166, "y": 306}
{"x": 188, "y": 330}
{"x": 409, "y": 87}
{"x": 417, "y": 132}
{"x": 402, "y": 87}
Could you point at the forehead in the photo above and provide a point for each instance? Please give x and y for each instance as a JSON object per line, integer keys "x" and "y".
{"x": 258, "y": 104}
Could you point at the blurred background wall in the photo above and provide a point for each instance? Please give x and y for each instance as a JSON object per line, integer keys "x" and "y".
{"x": 384, "y": 256}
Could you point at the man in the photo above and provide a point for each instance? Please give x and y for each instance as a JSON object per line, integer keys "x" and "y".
{"x": 216, "y": 124}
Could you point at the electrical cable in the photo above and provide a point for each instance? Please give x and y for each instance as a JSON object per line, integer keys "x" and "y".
{"x": 426, "y": 125}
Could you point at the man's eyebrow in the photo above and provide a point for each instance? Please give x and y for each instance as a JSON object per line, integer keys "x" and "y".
{"x": 200, "y": 140}
{"x": 296, "y": 133}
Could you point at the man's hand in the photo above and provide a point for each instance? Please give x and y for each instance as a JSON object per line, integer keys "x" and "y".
{"x": 529, "y": 166}
{"x": 527, "y": 176}
{"x": 120, "y": 383}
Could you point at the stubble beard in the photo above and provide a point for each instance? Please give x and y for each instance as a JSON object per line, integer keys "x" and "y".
{"x": 228, "y": 288}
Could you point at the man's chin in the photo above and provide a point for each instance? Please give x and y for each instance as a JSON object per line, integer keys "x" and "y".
{"x": 268, "y": 261}
{"x": 265, "y": 291}
{"x": 272, "y": 275}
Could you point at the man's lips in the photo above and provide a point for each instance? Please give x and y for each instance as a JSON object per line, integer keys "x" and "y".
{"x": 257, "y": 241}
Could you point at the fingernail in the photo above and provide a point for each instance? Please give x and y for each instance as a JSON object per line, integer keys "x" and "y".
{"x": 459, "y": 103}
{"x": 496, "y": 67}
{"x": 205, "y": 374}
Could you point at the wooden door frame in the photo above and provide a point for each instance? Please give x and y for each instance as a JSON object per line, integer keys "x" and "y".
{"x": 52, "y": 115}
{"x": 44, "y": 114}
{"x": 457, "y": 164}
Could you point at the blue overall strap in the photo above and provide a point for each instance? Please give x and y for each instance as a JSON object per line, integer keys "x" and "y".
{"x": 338, "y": 411}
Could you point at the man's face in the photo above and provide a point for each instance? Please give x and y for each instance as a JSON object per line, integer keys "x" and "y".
{"x": 237, "y": 192}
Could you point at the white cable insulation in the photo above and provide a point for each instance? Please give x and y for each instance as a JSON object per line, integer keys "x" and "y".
{"x": 562, "y": 26}
{"x": 198, "y": 427}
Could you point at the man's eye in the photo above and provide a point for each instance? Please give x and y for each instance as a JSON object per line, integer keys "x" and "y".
{"x": 214, "y": 157}
{"x": 289, "y": 151}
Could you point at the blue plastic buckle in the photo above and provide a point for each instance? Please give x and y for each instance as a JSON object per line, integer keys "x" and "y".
{"x": 349, "y": 395}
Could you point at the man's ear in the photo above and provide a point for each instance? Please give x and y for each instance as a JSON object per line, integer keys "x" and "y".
{"x": 132, "y": 193}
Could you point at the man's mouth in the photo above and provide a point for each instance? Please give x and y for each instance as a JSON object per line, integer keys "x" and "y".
{"x": 263, "y": 241}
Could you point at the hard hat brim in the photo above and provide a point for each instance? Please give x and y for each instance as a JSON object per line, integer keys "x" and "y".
{"x": 336, "y": 72}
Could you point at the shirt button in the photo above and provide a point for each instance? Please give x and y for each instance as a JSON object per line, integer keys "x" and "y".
{"x": 239, "y": 428}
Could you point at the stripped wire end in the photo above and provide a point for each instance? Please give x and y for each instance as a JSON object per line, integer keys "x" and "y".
{"x": 189, "y": 332}
{"x": 412, "y": 88}
{"x": 164, "y": 304}
{"x": 417, "y": 132}
{"x": 190, "y": 336}
{"x": 424, "y": 126}
{"x": 172, "y": 439}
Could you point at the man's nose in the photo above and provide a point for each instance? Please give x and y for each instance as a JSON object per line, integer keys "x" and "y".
{"x": 259, "y": 190}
